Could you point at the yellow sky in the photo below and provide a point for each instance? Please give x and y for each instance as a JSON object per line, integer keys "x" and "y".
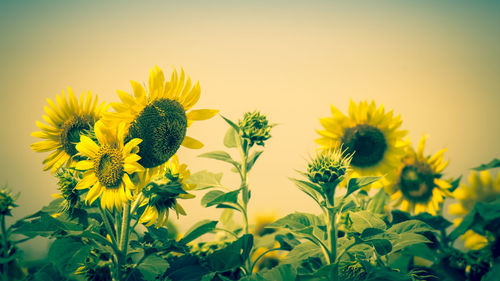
{"x": 437, "y": 66}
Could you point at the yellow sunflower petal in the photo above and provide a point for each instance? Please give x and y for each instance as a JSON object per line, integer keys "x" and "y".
{"x": 201, "y": 114}
{"x": 192, "y": 143}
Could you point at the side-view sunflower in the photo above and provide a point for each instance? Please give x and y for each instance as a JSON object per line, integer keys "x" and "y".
{"x": 162, "y": 193}
{"x": 66, "y": 119}
{"x": 159, "y": 115}
{"x": 107, "y": 171}
{"x": 482, "y": 187}
{"x": 369, "y": 133}
{"x": 417, "y": 186}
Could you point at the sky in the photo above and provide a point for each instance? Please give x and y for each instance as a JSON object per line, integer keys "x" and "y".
{"x": 435, "y": 63}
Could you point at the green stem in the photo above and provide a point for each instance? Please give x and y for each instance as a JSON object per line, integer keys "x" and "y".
{"x": 124, "y": 235}
{"x": 332, "y": 234}
{"x": 5, "y": 250}
{"x": 118, "y": 223}
{"x": 137, "y": 203}
{"x": 227, "y": 231}
{"x": 124, "y": 229}
{"x": 109, "y": 229}
{"x": 244, "y": 182}
{"x": 261, "y": 255}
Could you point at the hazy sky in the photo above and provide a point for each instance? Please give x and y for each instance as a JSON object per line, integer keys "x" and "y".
{"x": 436, "y": 64}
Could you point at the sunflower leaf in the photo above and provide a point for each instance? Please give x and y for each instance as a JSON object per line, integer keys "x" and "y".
{"x": 365, "y": 219}
{"x": 216, "y": 197}
{"x": 412, "y": 226}
{"x": 282, "y": 272}
{"x": 357, "y": 183}
{"x": 231, "y": 138}
{"x": 251, "y": 160}
{"x": 495, "y": 163}
{"x": 198, "y": 229}
{"x": 382, "y": 246}
{"x": 232, "y": 256}
{"x": 221, "y": 156}
{"x": 231, "y": 123}
{"x": 205, "y": 179}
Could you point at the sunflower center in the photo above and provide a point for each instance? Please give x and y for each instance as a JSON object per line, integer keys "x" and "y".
{"x": 367, "y": 143}
{"x": 108, "y": 166}
{"x": 162, "y": 127}
{"x": 71, "y": 131}
{"x": 417, "y": 182}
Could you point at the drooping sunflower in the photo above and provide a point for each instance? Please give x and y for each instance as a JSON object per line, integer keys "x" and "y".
{"x": 159, "y": 115}
{"x": 482, "y": 187}
{"x": 417, "y": 187}
{"x": 66, "y": 119}
{"x": 369, "y": 133}
{"x": 110, "y": 164}
{"x": 162, "y": 193}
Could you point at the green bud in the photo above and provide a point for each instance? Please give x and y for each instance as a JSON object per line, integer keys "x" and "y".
{"x": 7, "y": 202}
{"x": 329, "y": 166}
{"x": 67, "y": 183}
{"x": 255, "y": 128}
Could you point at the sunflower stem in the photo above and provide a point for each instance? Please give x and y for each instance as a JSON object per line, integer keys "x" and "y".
{"x": 109, "y": 229}
{"x": 244, "y": 182}
{"x": 5, "y": 251}
{"x": 137, "y": 202}
{"x": 124, "y": 229}
{"x": 124, "y": 235}
{"x": 118, "y": 223}
{"x": 332, "y": 234}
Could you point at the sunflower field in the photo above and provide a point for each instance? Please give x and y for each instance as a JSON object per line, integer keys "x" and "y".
{"x": 381, "y": 212}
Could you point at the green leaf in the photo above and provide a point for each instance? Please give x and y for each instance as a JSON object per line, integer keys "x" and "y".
{"x": 287, "y": 241}
{"x": 205, "y": 179}
{"x": 495, "y": 163}
{"x": 412, "y": 226}
{"x": 210, "y": 196}
{"x": 357, "y": 183}
{"x": 222, "y": 156}
{"x": 406, "y": 239}
{"x": 454, "y": 184}
{"x": 303, "y": 251}
{"x": 251, "y": 160}
{"x": 46, "y": 226}
{"x": 370, "y": 232}
{"x": 215, "y": 198}
{"x": 153, "y": 266}
{"x": 297, "y": 222}
{"x": 68, "y": 254}
{"x": 198, "y": 230}
{"x": 231, "y": 123}
{"x": 382, "y": 246}
{"x": 232, "y": 256}
{"x": 378, "y": 202}
{"x": 437, "y": 222}
{"x": 365, "y": 219}
{"x": 322, "y": 274}
{"x": 314, "y": 191}
{"x": 284, "y": 272}
{"x": 231, "y": 138}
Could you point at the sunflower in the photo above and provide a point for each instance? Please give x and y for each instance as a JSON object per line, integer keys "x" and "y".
{"x": 417, "y": 186}
{"x": 66, "y": 120}
{"x": 109, "y": 166}
{"x": 160, "y": 115}
{"x": 369, "y": 133}
{"x": 481, "y": 188}
{"x": 162, "y": 194}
